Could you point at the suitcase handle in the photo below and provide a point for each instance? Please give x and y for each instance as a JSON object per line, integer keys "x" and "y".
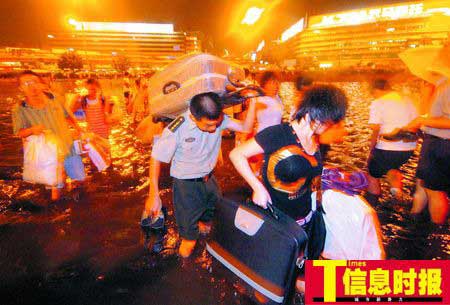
{"x": 272, "y": 211}
{"x": 269, "y": 208}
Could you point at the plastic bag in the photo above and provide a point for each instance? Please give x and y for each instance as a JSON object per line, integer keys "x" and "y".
{"x": 350, "y": 183}
{"x": 353, "y": 230}
{"x": 98, "y": 151}
{"x": 40, "y": 160}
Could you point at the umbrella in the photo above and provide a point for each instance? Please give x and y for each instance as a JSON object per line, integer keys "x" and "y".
{"x": 441, "y": 63}
{"x": 426, "y": 62}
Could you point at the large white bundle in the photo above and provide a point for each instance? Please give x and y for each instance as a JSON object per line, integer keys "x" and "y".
{"x": 100, "y": 160}
{"x": 171, "y": 90}
{"x": 99, "y": 151}
{"x": 40, "y": 160}
{"x": 353, "y": 230}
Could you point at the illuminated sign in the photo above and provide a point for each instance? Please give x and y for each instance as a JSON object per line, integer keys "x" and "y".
{"x": 293, "y": 30}
{"x": 325, "y": 65}
{"x": 369, "y": 15}
{"x": 11, "y": 63}
{"x": 164, "y": 28}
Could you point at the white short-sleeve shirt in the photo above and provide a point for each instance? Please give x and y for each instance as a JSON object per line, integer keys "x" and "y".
{"x": 392, "y": 111}
{"x": 193, "y": 152}
{"x": 440, "y": 107}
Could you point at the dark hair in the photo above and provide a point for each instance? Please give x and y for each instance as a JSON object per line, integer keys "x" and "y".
{"x": 303, "y": 81}
{"x": 381, "y": 84}
{"x": 137, "y": 81}
{"x": 267, "y": 76}
{"x": 246, "y": 72}
{"x": 323, "y": 103}
{"x": 28, "y": 72}
{"x": 93, "y": 81}
{"x": 206, "y": 105}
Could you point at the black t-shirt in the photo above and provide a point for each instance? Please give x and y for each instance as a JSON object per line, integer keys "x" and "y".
{"x": 288, "y": 170}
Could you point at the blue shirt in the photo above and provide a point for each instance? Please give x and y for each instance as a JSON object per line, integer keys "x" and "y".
{"x": 193, "y": 152}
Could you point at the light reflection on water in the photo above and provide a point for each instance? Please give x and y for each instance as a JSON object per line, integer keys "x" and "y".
{"x": 105, "y": 225}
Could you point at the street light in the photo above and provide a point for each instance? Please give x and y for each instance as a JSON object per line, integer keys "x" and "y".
{"x": 260, "y": 46}
{"x": 252, "y": 15}
{"x": 72, "y": 21}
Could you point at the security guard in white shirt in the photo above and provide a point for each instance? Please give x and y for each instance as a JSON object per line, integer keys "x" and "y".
{"x": 192, "y": 143}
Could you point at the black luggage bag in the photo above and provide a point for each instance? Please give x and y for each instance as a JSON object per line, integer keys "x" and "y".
{"x": 260, "y": 248}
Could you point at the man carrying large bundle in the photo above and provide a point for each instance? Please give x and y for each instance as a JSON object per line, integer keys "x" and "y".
{"x": 191, "y": 143}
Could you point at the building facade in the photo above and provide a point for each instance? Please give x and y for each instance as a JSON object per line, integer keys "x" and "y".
{"x": 102, "y": 44}
{"x": 370, "y": 37}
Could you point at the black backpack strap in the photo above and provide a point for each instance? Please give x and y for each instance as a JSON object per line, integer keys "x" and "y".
{"x": 83, "y": 102}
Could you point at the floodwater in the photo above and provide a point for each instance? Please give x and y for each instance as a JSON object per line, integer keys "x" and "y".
{"x": 87, "y": 248}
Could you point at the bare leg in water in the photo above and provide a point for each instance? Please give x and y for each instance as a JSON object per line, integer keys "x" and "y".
{"x": 437, "y": 203}
{"x": 420, "y": 199}
{"x": 394, "y": 178}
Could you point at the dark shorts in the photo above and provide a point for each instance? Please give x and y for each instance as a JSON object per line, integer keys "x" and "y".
{"x": 434, "y": 163}
{"x": 193, "y": 202}
{"x": 382, "y": 161}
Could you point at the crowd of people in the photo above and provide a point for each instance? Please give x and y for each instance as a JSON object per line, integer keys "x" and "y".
{"x": 86, "y": 116}
{"x": 281, "y": 161}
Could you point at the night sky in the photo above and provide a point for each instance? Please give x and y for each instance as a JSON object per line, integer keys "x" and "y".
{"x": 22, "y": 22}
